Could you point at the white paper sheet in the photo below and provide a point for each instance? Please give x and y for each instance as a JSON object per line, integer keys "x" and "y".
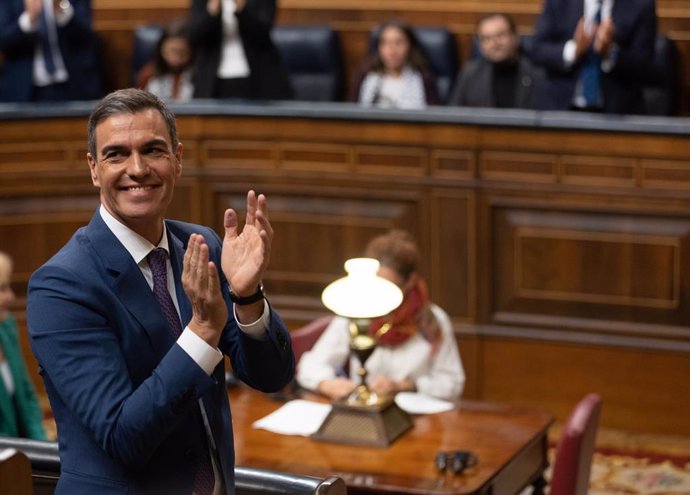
{"x": 415, "y": 403}
{"x": 297, "y": 417}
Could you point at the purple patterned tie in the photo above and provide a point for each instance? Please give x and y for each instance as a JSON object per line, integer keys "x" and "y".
{"x": 203, "y": 480}
{"x": 157, "y": 262}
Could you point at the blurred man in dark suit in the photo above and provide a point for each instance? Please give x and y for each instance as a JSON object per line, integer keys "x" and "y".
{"x": 596, "y": 53}
{"x": 50, "y": 51}
{"x": 502, "y": 77}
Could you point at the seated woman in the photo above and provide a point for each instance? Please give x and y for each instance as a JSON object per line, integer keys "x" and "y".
{"x": 169, "y": 74}
{"x": 418, "y": 353}
{"x": 396, "y": 76}
{"x": 20, "y": 413}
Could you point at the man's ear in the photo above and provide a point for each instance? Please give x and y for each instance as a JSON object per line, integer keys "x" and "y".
{"x": 92, "y": 168}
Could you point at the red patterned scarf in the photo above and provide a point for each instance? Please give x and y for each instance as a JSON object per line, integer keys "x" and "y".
{"x": 412, "y": 316}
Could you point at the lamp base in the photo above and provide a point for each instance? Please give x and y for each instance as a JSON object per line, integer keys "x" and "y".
{"x": 377, "y": 425}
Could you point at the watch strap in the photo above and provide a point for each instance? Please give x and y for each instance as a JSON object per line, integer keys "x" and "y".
{"x": 243, "y": 301}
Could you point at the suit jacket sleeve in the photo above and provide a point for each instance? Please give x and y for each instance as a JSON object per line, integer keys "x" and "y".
{"x": 13, "y": 41}
{"x": 257, "y": 18}
{"x": 204, "y": 29}
{"x": 73, "y": 335}
{"x": 79, "y": 29}
{"x": 549, "y": 39}
{"x": 635, "y": 53}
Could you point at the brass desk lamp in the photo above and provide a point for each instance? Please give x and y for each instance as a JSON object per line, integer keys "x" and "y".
{"x": 364, "y": 417}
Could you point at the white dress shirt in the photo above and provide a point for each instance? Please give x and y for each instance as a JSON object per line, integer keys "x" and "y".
{"x": 233, "y": 61}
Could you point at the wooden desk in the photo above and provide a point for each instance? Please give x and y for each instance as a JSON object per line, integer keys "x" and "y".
{"x": 509, "y": 441}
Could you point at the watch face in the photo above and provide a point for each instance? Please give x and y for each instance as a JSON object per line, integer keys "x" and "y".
{"x": 64, "y": 4}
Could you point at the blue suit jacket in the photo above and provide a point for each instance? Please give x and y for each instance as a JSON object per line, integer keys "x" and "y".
{"x": 124, "y": 394}
{"x": 78, "y": 45}
{"x": 635, "y": 22}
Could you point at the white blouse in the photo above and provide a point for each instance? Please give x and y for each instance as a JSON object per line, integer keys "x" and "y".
{"x": 233, "y": 60}
{"x": 439, "y": 375}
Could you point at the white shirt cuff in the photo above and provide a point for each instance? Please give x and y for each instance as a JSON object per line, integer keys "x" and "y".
{"x": 258, "y": 328}
{"x": 569, "y": 53}
{"x": 25, "y": 24}
{"x": 204, "y": 355}
{"x": 62, "y": 17}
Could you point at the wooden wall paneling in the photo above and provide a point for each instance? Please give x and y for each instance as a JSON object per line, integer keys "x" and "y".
{"x": 602, "y": 171}
{"x": 665, "y": 174}
{"x": 516, "y": 166}
{"x": 471, "y": 348}
{"x": 453, "y": 255}
{"x": 456, "y": 164}
{"x": 556, "y": 376}
{"x": 396, "y": 160}
{"x": 317, "y": 157}
{"x": 239, "y": 154}
{"x": 607, "y": 266}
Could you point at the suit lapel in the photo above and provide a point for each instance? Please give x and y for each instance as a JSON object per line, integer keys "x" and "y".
{"x": 177, "y": 249}
{"x": 129, "y": 284}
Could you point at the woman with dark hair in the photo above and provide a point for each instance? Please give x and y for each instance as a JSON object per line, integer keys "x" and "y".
{"x": 396, "y": 76}
{"x": 169, "y": 74}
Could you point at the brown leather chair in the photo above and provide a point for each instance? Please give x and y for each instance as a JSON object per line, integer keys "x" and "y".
{"x": 575, "y": 448}
{"x": 43, "y": 464}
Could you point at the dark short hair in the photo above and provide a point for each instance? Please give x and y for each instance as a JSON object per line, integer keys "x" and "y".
{"x": 128, "y": 101}
{"x": 396, "y": 250}
{"x": 491, "y": 15}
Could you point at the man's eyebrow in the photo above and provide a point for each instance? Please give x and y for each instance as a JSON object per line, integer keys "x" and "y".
{"x": 112, "y": 147}
{"x": 119, "y": 147}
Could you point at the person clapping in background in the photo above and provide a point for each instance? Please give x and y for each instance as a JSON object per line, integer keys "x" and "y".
{"x": 50, "y": 51}
{"x": 235, "y": 56}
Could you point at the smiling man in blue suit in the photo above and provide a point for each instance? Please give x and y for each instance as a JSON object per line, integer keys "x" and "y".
{"x": 129, "y": 321}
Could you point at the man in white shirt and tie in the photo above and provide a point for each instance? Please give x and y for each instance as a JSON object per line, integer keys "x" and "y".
{"x": 50, "y": 51}
{"x": 595, "y": 53}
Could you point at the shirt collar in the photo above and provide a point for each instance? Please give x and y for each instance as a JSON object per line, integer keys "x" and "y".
{"x": 136, "y": 245}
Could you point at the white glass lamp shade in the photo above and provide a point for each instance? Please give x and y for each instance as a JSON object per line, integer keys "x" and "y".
{"x": 362, "y": 293}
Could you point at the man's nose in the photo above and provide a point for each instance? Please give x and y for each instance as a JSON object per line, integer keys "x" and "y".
{"x": 137, "y": 166}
